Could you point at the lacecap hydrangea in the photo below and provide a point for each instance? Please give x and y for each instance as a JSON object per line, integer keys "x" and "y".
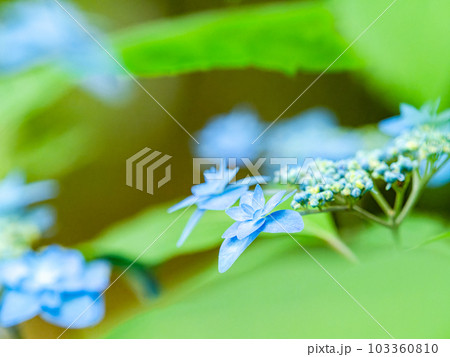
{"x": 57, "y": 284}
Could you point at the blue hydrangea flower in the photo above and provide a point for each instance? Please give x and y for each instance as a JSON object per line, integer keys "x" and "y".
{"x": 56, "y": 284}
{"x": 16, "y": 196}
{"x": 230, "y": 136}
{"x": 440, "y": 178}
{"x": 411, "y": 117}
{"x": 314, "y": 133}
{"x": 252, "y": 217}
{"x": 216, "y": 194}
{"x": 40, "y": 33}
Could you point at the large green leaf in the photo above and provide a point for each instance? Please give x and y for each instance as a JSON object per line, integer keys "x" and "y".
{"x": 406, "y": 51}
{"x": 275, "y": 290}
{"x": 285, "y": 37}
{"x": 130, "y": 238}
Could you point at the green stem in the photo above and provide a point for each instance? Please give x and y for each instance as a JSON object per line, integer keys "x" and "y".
{"x": 379, "y": 198}
{"x": 417, "y": 186}
{"x": 361, "y": 212}
{"x": 329, "y": 209}
{"x": 332, "y": 240}
{"x": 341, "y": 248}
{"x": 400, "y": 195}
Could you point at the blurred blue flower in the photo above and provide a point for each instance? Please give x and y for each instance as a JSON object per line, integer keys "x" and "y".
{"x": 252, "y": 217}
{"x": 314, "y": 133}
{"x": 56, "y": 284}
{"x": 16, "y": 196}
{"x": 41, "y": 32}
{"x": 440, "y": 178}
{"x": 230, "y": 136}
{"x": 216, "y": 193}
{"x": 410, "y": 117}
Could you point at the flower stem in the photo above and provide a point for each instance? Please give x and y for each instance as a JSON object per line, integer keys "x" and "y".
{"x": 324, "y": 210}
{"x": 417, "y": 186}
{"x": 361, "y": 212}
{"x": 379, "y": 198}
{"x": 341, "y": 248}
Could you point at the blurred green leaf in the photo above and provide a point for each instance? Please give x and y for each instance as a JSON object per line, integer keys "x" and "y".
{"x": 285, "y": 37}
{"x": 130, "y": 238}
{"x": 27, "y": 93}
{"x": 21, "y": 97}
{"x": 439, "y": 237}
{"x": 276, "y": 291}
{"x": 406, "y": 51}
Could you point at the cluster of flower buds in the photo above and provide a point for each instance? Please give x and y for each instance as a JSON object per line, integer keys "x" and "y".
{"x": 344, "y": 179}
{"x": 382, "y": 166}
{"x": 422, "y": 144}
{"x": 407, "y": 151}
{"x": 16, "y": 236}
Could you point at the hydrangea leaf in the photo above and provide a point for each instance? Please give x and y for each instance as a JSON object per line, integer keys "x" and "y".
{"x": 286, "y": 37}
{"x": 276, "y": 291}
{"x": 405, "y": 52}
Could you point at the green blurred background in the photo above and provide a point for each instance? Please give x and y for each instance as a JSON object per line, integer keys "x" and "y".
{"x": 53, "y": 130}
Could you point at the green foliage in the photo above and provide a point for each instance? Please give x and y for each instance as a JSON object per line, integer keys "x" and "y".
{"x": 21, "y": 97}
{"x": 437, "y": 238}
{"x": 285, "y": 37}
{"x": 404, "y": 53}
{"x": 130, "y": 238}
{"x": 26, "y": 93}
{"x": 276, "y": 291}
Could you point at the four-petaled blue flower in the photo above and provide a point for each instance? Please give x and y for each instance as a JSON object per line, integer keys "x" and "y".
{"x": 411, "y": 117}
{"x": 56, "y": 284}
{"x": 216, "y": 194}
{"x": 252, "y": 217}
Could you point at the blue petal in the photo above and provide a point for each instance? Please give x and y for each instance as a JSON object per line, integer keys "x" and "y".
{"x": 13, "y": 272}
{"x": 409, "y": 112}
{"x": 186, "y": 202}
{"x": 246, "y": 199}
{"x": 284, "y": 221}
{"x": 442, "y": 177}
{"x": 231, "y": 231}
{"x": 77, "y": 312}
{"x": 250, "y": 181}
{"x": 231, "y": 249}
{"x": 190, "y": 226}
{"x": 258, "y": 200}
{"x": 17, "y": 307}
{"x": 224, "y": 200}
{"x": 394, "y": 126}
{"x": 273, "y": 202}
{"x": 96, "y": 276}
{"x": 50, "y": 299}
{"x": 43, "y": 217}
{"x": 248, "y": 227}
{"x": 209, "y": 188}
{"x": 290, "y": 194}
{"x": 238, "y": 214}
{"x": 247, "y": 209}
